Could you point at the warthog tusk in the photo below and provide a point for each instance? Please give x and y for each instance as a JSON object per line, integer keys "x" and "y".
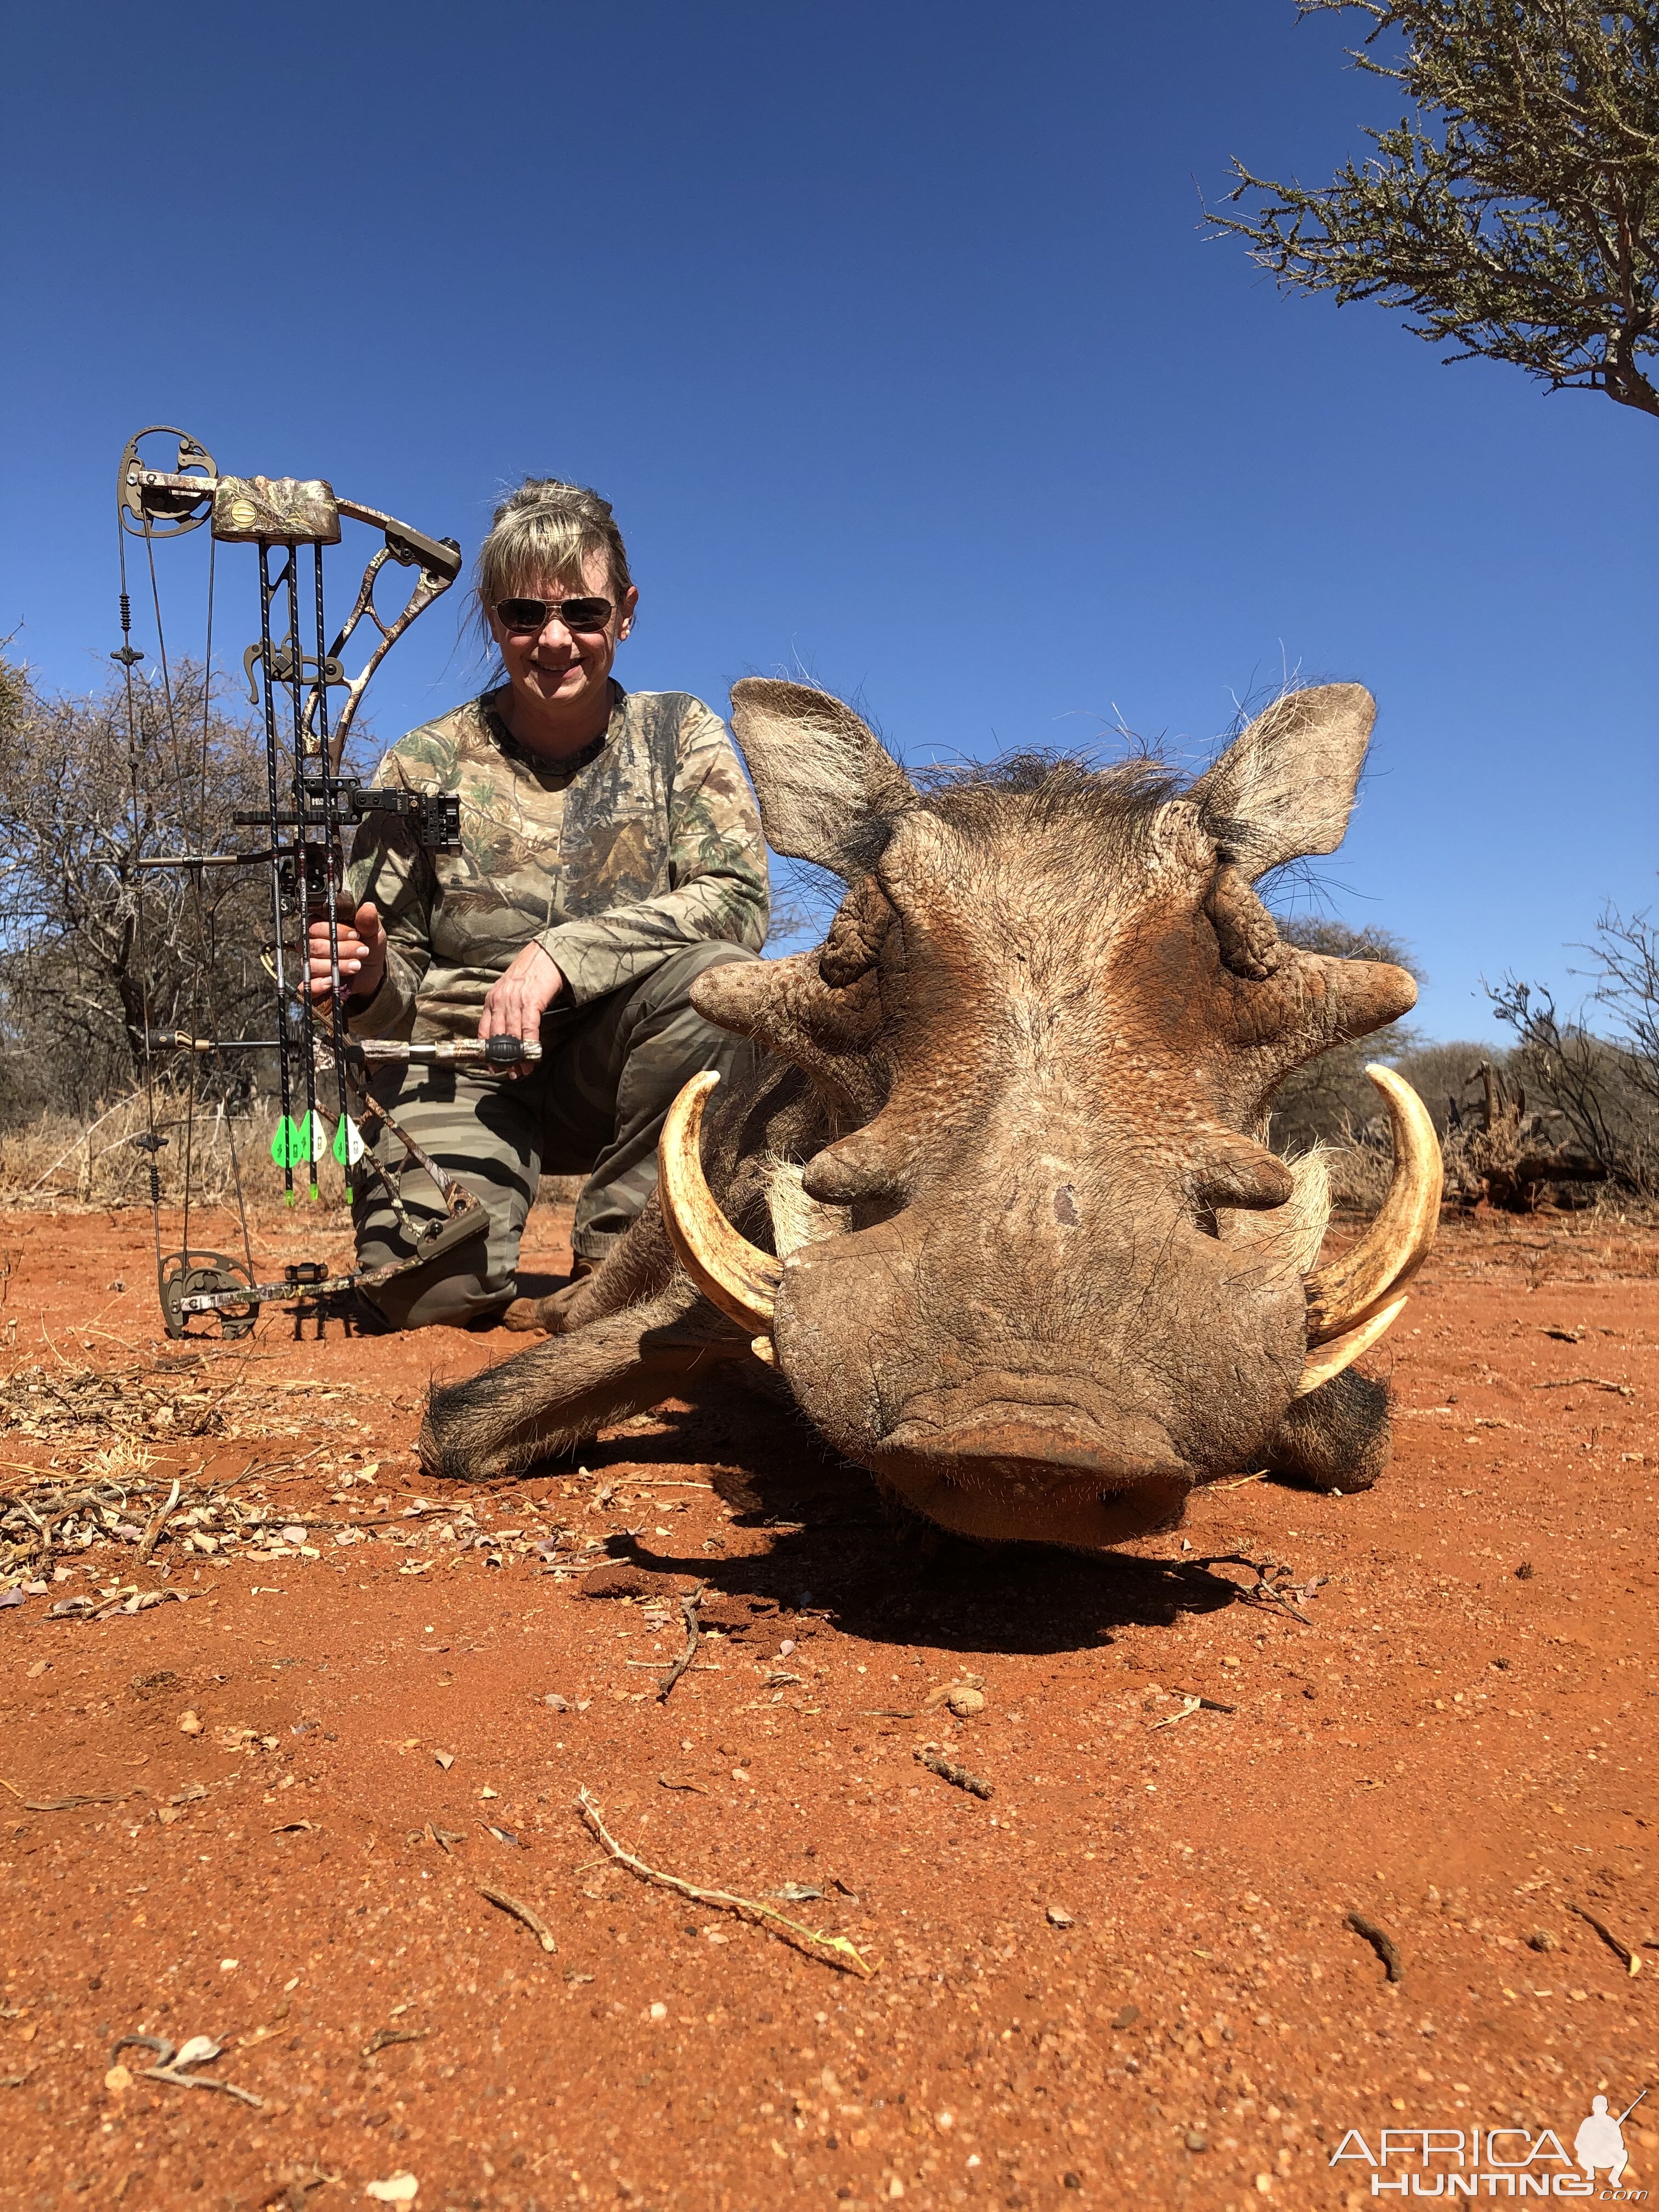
{"x": 731, "y": 1273}
{"x": 1352, "y": 1290}
{"x": 1331, "y": 1359}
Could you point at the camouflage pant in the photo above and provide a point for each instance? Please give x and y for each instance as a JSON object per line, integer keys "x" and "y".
{"x": 593, "y": 1106}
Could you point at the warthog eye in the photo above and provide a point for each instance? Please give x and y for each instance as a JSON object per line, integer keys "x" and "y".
{"x": 856, "y": 936}
{"x": 1250, "y": 944}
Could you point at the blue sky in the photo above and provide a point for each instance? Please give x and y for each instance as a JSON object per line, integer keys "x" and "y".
{"x": 892, "y": 332}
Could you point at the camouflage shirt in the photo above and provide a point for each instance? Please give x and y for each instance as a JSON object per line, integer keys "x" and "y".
{"x": 646, "y": 841}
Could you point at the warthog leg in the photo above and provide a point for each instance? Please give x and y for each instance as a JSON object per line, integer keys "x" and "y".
{"x": 558, "y": 1394}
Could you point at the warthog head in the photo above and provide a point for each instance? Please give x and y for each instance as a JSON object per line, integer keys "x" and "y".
{"x": 995, "y": 1206}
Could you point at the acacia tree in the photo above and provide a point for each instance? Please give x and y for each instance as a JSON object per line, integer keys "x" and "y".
{"x": 1516, "y": 213}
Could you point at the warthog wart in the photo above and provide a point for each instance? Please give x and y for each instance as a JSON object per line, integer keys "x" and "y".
{"x": 993, "y": 1204}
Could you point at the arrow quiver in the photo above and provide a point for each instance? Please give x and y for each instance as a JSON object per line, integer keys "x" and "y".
{"x": 311, "y": 802}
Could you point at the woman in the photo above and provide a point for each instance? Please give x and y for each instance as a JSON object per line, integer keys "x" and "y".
{"x": 610, "y": 852}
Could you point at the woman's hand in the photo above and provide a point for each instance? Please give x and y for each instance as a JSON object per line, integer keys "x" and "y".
{"x": 515, "y": 1002}
{"x": 362, "y": 945}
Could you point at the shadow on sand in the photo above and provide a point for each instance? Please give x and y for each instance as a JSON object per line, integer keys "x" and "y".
{"x": 839, "y": 1550}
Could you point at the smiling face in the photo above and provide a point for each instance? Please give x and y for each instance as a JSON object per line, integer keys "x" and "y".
{"x": 559, "y": 675}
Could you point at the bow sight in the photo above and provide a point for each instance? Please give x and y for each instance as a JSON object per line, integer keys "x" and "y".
{"x": 310, "y": 803}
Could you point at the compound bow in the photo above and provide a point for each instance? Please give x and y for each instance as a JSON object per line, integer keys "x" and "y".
{"x": 310, "y": 803}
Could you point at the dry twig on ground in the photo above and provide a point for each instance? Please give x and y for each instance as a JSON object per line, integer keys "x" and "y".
{"x": 1272, "y": 1588}
{"x": 834, "y": 1950}
{"x": 1622, "y": 1952}
{"x": 1380, "y": 1940}
{"x": 934, "y": 1761}
{"x": 532, "y": 1919}
{"x": 689, "y": 1612}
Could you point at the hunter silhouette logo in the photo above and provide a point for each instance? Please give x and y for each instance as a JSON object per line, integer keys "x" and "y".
{"x": 1600, "y": 2141}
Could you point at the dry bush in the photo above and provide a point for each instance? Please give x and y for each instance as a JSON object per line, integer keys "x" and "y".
{"x": 1447, "y": 1077}
{"x": 559, "y": 1190}
{"x": 94, "y": 947}
{"x": 1359, "y": 1175}
{"x": 1603, "y": 1090}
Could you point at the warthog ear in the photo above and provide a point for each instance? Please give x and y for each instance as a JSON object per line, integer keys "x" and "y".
{"x": 819, "y": 772}
{"x": 1285, "y": 787}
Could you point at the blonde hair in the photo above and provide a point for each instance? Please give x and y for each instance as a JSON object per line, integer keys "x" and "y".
{"x": 547, "y": 531}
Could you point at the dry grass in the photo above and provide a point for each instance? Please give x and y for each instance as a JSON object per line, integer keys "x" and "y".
{"x": 58, "y": 1161}
{"x": 116, "y": 1480}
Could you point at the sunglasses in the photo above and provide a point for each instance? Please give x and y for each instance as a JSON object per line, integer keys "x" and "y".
{"x": 522, "y": 616}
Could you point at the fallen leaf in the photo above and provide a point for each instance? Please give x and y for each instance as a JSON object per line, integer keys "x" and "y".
{"x": 384, "y": 2038}
{"x": 189, "y": 1724}
{"x": 118, "y": 2077}
{"x": 1059, "y": 1918}
{"x": 197, "y": 2051}
{"x": 444, "y": 1759}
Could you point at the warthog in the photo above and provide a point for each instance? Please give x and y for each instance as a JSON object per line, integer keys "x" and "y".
{"x": 993, "y": 1204}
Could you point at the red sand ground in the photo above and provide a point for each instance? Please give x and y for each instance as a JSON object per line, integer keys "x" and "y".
{"x": 1125, "y": 1976}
